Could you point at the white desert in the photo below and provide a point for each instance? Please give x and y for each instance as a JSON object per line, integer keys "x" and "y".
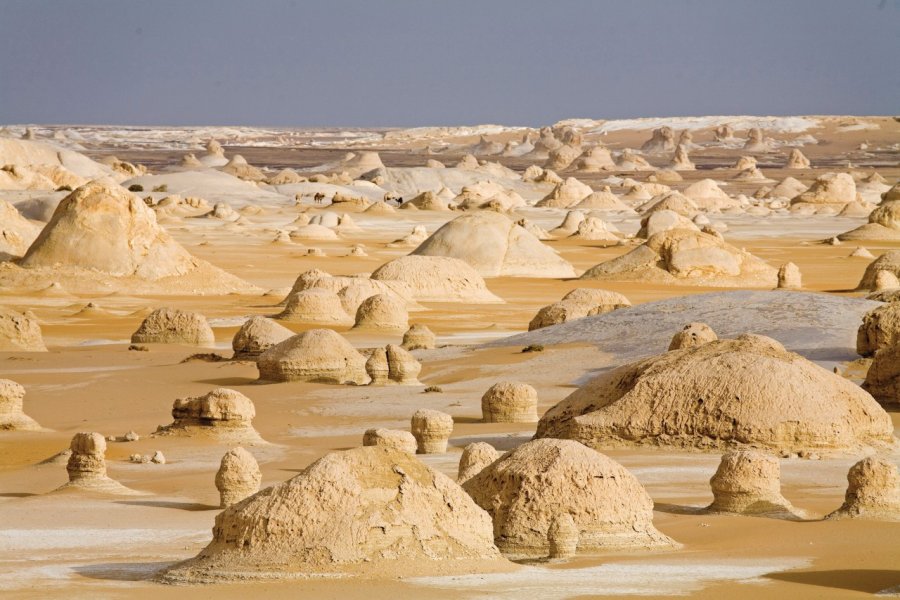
{"x": 361, "y": 303}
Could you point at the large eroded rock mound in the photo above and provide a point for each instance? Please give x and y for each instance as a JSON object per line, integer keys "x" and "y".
{"x": 368, "y": 511}
{"x": 529, "y": 488}
{"x": 103, "y": 230}
{"x": 435, "y": 279}
{"x": 687, "y": 257}
{"x": 745, "y": 391}
{"x": 317, "y": 355}
{"x": 496, "y": 247}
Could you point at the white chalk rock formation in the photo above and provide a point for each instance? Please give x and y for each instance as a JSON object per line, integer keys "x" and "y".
{"x": 174, "y": 326}
{"x": 393, "y": 439}
{"x": 889, "y": 262}
{"x": 566, "y": 194}
{"x": 315, "y": 305}
{"x": 87, "y": 466}
{"x": 474, "y": 459}
{"x": 509, "y": 402}
{"x": 577, "y": 304}
{"x": 527, "y": 489}
{"x": 686, "y": 257}
{"x": 382, "y": 312}
{"x": 432, "y": 430}
{"x": 102, "y": 229}
{"x": 221, "y": 413}
{"x": 880, "y": 329}
{"x": 873, "y": 491}
{"x": 368, "y": 511}
{"x": 797, "y": 160}
{"x": 495, "y": 247}
{"x": 393, "y": 364}
{"x": 693, "y": 335}
{"x": 789, "y": 277}
{"x": 12, "y": 415}
{"x": 257, "y": 335}
{"x": 748, "y": 390}
{"x": 828, "y": 189}
{"x": 16, "y": 232}
{"x": 883, "y": 377}
{"x": 748, "y": 482}
{"x": 238, "y": 477}
{"x": 317, "y": 355}
{"x": 883, "y": 225}
{"x": 20, "y": 332}
{"x": 418, "y": 337}
{"x": 680, "y": 160}
{"x": 435, "y": 279}
{"x": 662, "y": 140}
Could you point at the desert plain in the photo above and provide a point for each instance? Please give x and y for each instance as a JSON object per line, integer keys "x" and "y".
{"x": 781, "y": 227}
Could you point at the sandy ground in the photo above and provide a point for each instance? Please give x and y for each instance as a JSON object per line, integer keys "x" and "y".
{"x": 78, "y": 546}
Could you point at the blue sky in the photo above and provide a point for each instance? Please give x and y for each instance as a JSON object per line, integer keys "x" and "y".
{"x": 421, "y": 62}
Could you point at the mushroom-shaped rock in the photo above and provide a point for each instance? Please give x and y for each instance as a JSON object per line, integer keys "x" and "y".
{"x": 368, "y": 510}
{"x": 418, "y": 337}
{"x": 238, "y": 477}
{"x": 317, "y": 355}
{"x": 748, "y": 482}
{"x": 257, "y": 335}
{"x": 748, "y": 390}
{"x": 174, "y": 326}
{"x": 542, "y": 480}
{"x": 20, "y": 332}
{"x": 579, "y": 303}
{"x": 789, "y": 277}
{"x": 394, "y": 439}
{"x": 377, "y": 367}
{"x": 693, "y": 335}
{"x": 509, "y": 402}
{"x": 87, "y": 466}
{"x": 383, "y": 312}
{"x": 495, "y": 246}
{"x": 12, "y": 416}
{"x": 223, "y": 413}
{"x": 435, "y": 279}
{"x": 880, "y": 329}
{"x": 315, "y": 305}
{"x": 432, "y": 430}
{"x": 873, "y": 491}
{"x": 475, "y": 457}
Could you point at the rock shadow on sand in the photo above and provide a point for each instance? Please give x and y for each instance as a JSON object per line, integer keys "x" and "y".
{"x": 137, "y": 571}
{"x": 868, "y": 581}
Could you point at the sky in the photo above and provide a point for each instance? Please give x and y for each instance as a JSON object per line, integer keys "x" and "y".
{"x": 381, "y": 63}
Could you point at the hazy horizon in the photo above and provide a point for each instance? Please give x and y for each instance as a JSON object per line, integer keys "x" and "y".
{"x": 356, "y": 64}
